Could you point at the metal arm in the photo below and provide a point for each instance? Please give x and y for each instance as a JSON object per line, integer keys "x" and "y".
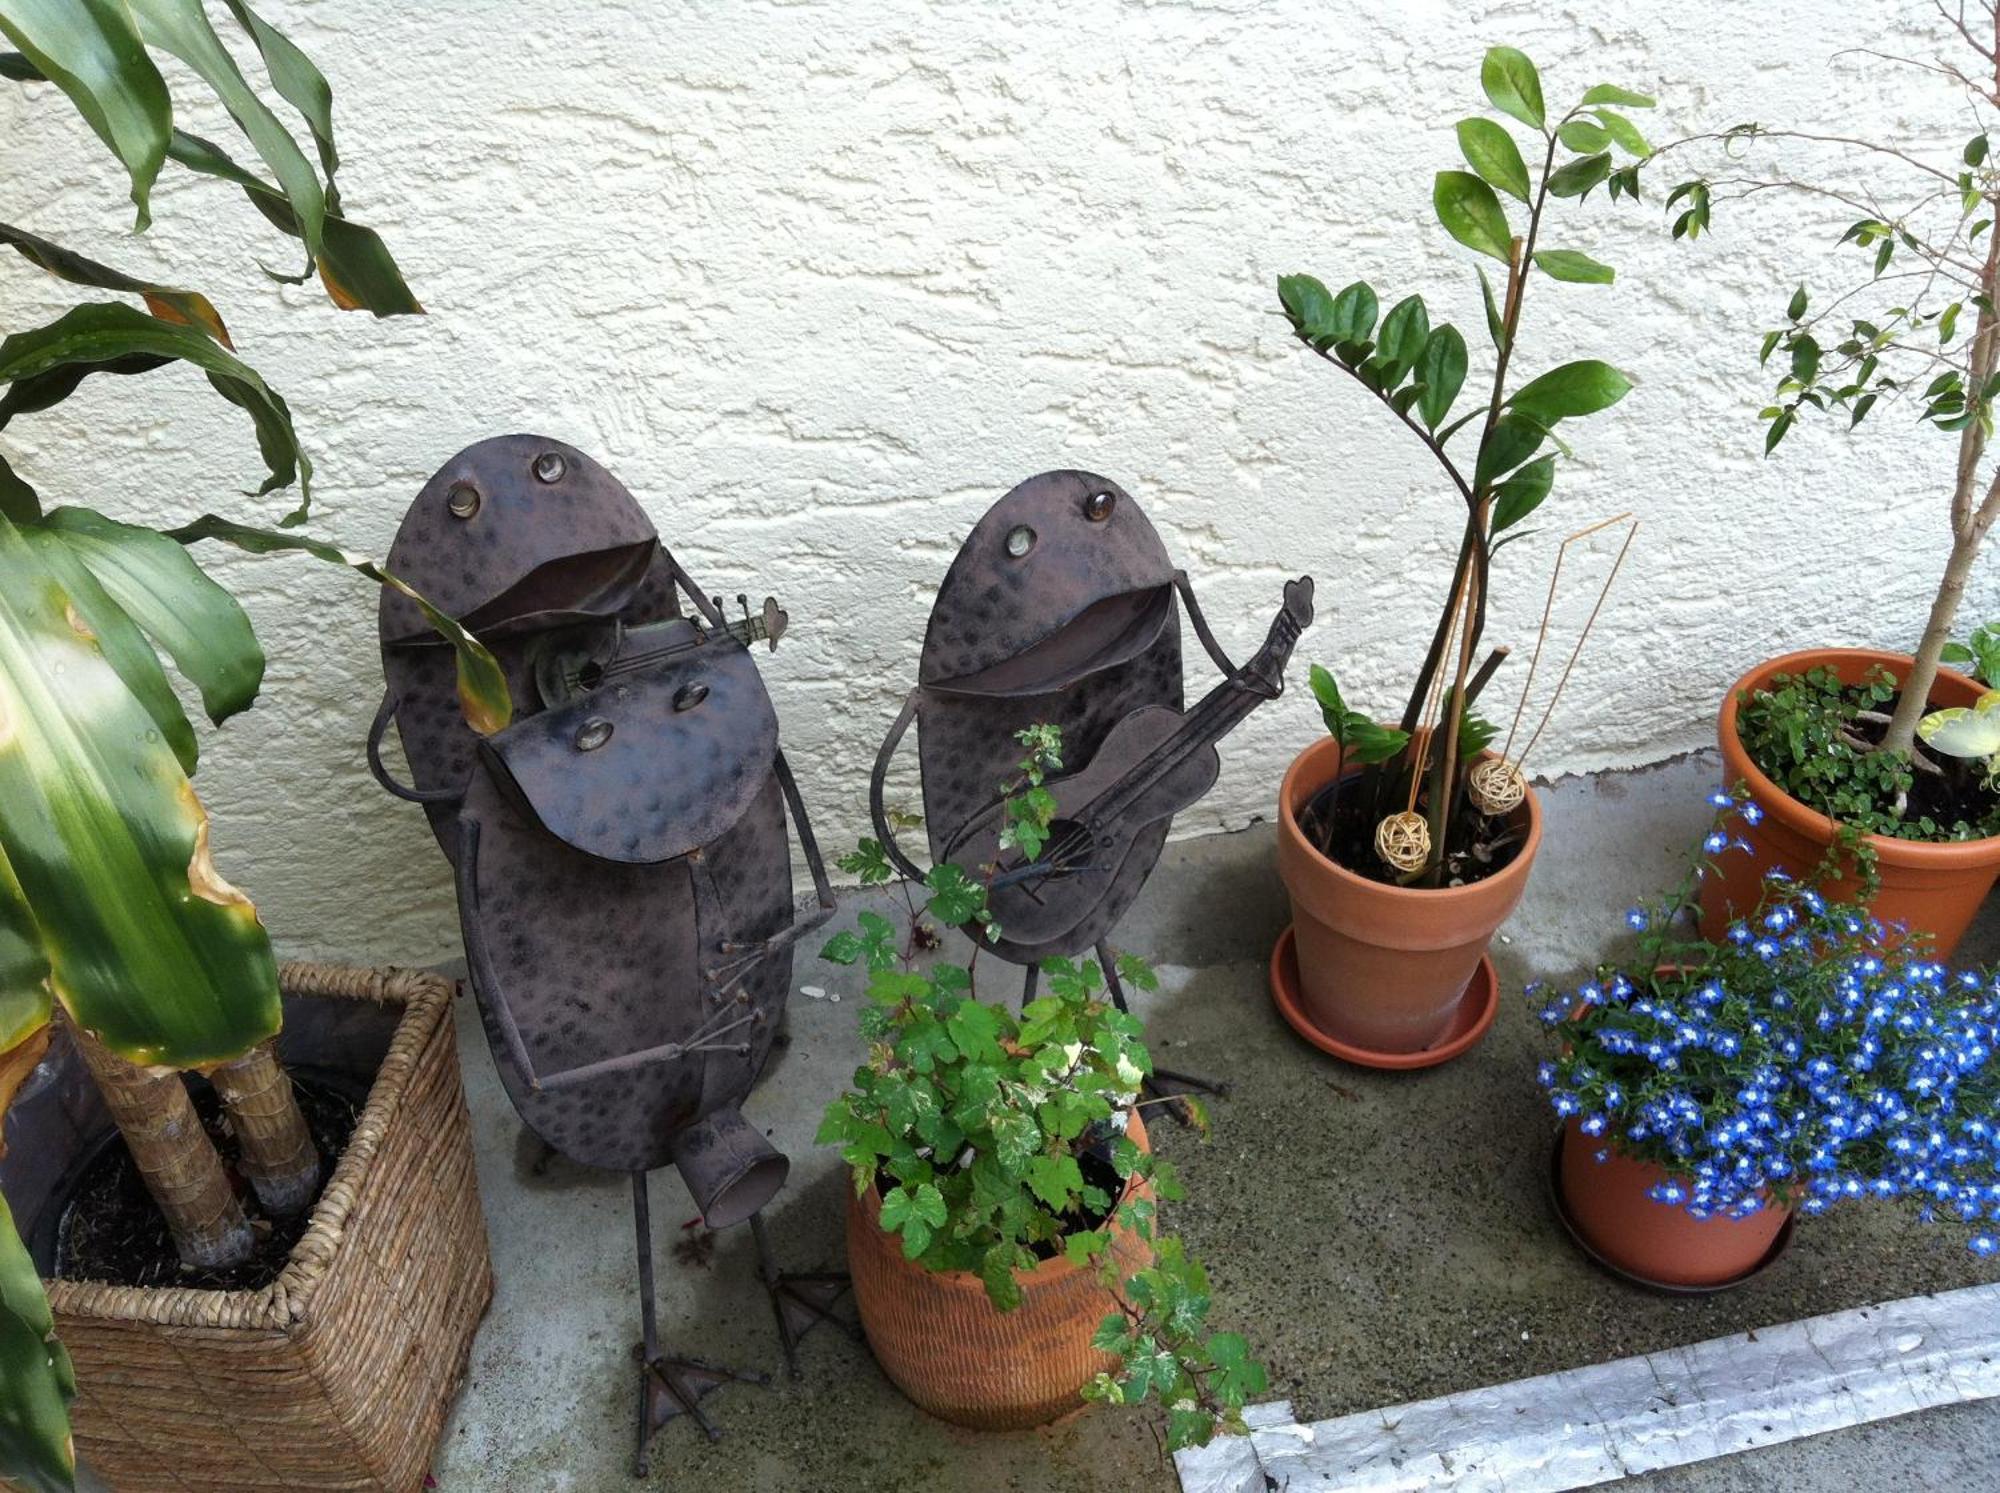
{"x": 885, "y": 831}
{"x": 376, "y": 732}
{"x": 751, "y": 954}
{"x": 686, "y": 583}
{"x": 1213, "y": 648}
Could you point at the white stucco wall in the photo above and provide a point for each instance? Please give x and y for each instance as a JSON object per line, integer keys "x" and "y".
{"x": 821, "y": 280}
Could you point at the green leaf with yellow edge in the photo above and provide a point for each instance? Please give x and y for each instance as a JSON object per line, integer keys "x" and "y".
{"x": 189, "y": 617}
{"x": 147, "y": 945}
{"x": 482, "y": 686}
{"x": 92, "y": 51}
{"x": 37, "y": 1381}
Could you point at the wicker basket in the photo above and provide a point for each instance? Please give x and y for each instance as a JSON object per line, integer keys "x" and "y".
{"x": 338, "y": 1374}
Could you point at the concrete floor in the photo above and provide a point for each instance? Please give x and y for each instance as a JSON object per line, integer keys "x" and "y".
{"x": 1378, "y": 1237}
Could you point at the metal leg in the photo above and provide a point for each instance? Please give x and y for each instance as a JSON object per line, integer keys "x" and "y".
{"x": 669, "y": 1386}
{"x": 800, "y": 1300}
{"x": 1162, "y": 1083}
{"x": 1031, "y": 979}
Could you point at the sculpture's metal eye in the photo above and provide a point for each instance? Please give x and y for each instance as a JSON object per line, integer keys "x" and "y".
{"x": 1020, "y": 540}
{"x": 1097, "y": 507}
{"x": 592, "y": 734}
{"x": 550, "y": 466}
{"x": 462, "y": 500}
{"x": 690, "y": 695}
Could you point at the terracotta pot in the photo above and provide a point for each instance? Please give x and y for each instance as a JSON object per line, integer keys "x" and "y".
{"x": 1608, "y": 1208}
{"x": 1931, "y": 888}
{"x": 1383, "y": 967}
{"x": 955, "y": 1354}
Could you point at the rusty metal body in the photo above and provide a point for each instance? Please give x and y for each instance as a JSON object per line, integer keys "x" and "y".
{"x": 622, "y": 860}
{"x": 1062, "y": 606}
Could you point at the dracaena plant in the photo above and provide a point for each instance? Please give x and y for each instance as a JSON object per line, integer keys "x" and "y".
{"x": 1806, "y": 1058}
{"x": 1913, "y": 331}
{"x": 110, "y": 904}
{"x": 1498, "y": 449}
{"x": 1000, "y": 1140}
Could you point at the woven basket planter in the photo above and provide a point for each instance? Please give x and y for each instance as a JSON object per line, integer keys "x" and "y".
{"x": 338, "y": 1374}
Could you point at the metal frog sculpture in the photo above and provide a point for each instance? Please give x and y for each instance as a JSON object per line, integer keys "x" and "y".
{"x": 1061, "y": 606}
{"x": 623, "y": 867}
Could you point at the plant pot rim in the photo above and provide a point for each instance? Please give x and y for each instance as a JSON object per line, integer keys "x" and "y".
{"x": 1560, "y": 1206}
{"x": 1458, "y": 1039}
{"x": 1056, "y": 1267}
{"x": 1810, "y": 822}
{"x": 1288, "y": 828}
{"x": 425, "y": 998}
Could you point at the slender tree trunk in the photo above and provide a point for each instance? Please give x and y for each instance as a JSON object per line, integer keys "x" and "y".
{"x": 279, "y": 1156}
{"x": 1901, "y": 734}
{"x": 174, "y": 1155}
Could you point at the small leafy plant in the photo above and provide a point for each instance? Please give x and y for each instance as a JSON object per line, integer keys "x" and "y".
{"x": 1504, "y": 464}
{"x": 999, "y": 1141}
{"x": 1805, "y": 1059}
{"x": 1916, "y": 326}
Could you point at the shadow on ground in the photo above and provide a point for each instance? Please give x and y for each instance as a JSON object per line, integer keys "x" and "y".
{"x": 1378, "y": 1237}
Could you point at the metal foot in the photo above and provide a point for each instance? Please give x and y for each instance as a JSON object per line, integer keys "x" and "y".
{"x": 800, "y": 1300}
{"x": 1165, "y": 1084}
{"x": 668, "y": 1386}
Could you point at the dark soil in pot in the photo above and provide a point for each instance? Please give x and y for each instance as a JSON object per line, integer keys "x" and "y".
{"x": 108, "y": 1229}
{"x": 1486, "y": 844}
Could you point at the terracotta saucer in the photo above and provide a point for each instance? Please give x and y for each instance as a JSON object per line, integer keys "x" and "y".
{"x": 1667, "y": 1288}
{"x": 1472, "y": 1020}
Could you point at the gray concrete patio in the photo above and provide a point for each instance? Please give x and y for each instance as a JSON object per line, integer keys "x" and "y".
{"x": 1378, "y": 1237}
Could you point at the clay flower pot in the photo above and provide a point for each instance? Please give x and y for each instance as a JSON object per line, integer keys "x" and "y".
{"x": 1382, "y": 968}
{"x": 955, "y": 1354}
{"x": 1931, "y": 888}
{"x": 1605, "y": 1204}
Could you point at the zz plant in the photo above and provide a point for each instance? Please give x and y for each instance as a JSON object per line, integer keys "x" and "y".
{"x": 1499, "y": 452}
{"x": 110, "y": 904}
{"x": 999, "y": 1140}
{"x": 1915, "y": 326}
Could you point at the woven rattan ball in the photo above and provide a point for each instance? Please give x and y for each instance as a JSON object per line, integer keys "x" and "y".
{"x": 1404, "y": 841}
{"x": 1496, "y": 786}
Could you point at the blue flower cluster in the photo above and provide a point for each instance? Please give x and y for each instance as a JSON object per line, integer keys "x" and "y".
{"x": 1810, "y": 1057}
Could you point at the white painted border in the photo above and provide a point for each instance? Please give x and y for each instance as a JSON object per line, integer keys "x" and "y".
{"x": 1633, "y": 1415}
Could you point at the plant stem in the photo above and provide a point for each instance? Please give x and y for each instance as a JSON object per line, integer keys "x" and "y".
{"x": 279, "y": 1156}
{"x": 173, "y": 1154}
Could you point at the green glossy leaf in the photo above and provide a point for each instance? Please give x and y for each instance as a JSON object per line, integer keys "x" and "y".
{"x": 17, "y": 499}
{"x": 92, "y": 51}
{"x": 36, "y": 1379}
{"x": 149, "y": 947}
{"x": 354, "y": 263}
{"x": 482, "y": 685}
{"x": 1512, "y": 440}
{"x": 1512, "y": 85}
{"x": 188, "y": 307}
{"x": 1308, "y": 304}
{"x": 1361, "y": 740}
{"x": 1495, "y": 327}
{"x": 107, "y": 337}
{"x": 1441, "y": 371}
{"x": 1580, "y": 388}
{"x": 1605, "y": 93}
{"x": 1489, "y": 150}
{"x": 191, "y": 618}
{"x": 1353, "y": 315}
{"x": 181, "y": 27}
{"x": 1522, "y": 493}
{"x": 299, "y": 83}
{"x": 1576, "y": 178}
{"x": 1624, "y": 134}
{"x": 1471, "y": 213}
{"x": 26, "y": 999}
{"x": 119, "y": 639}
{"x": 1404, "y": 331}
{"x": 1574, "y": 267}
{"x": 1582, "y": 136}
{"x": 1805, "y": 358}
{"x": 1796, "y": 307}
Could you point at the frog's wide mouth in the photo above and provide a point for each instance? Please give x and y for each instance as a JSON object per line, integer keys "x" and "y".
{"x": 590, "y": 586}
{"x": 1102, "y": 636}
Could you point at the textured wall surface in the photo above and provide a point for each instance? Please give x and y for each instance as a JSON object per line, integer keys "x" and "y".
{"x": 821, "y": 280}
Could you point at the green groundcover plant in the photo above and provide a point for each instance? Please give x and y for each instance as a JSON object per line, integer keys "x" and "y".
{"x": 1807, "y": 1058}
{"x": 998, "y": 1140}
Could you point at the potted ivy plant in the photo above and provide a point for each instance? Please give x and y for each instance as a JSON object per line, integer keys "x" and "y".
{"x": 1002, "y": 1230}
{"x": 1710, "y": 1093}
{"x": 1832, "y": 740}
{"x": 1405, "y": 846}
{"x": 189, "y": 1304}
